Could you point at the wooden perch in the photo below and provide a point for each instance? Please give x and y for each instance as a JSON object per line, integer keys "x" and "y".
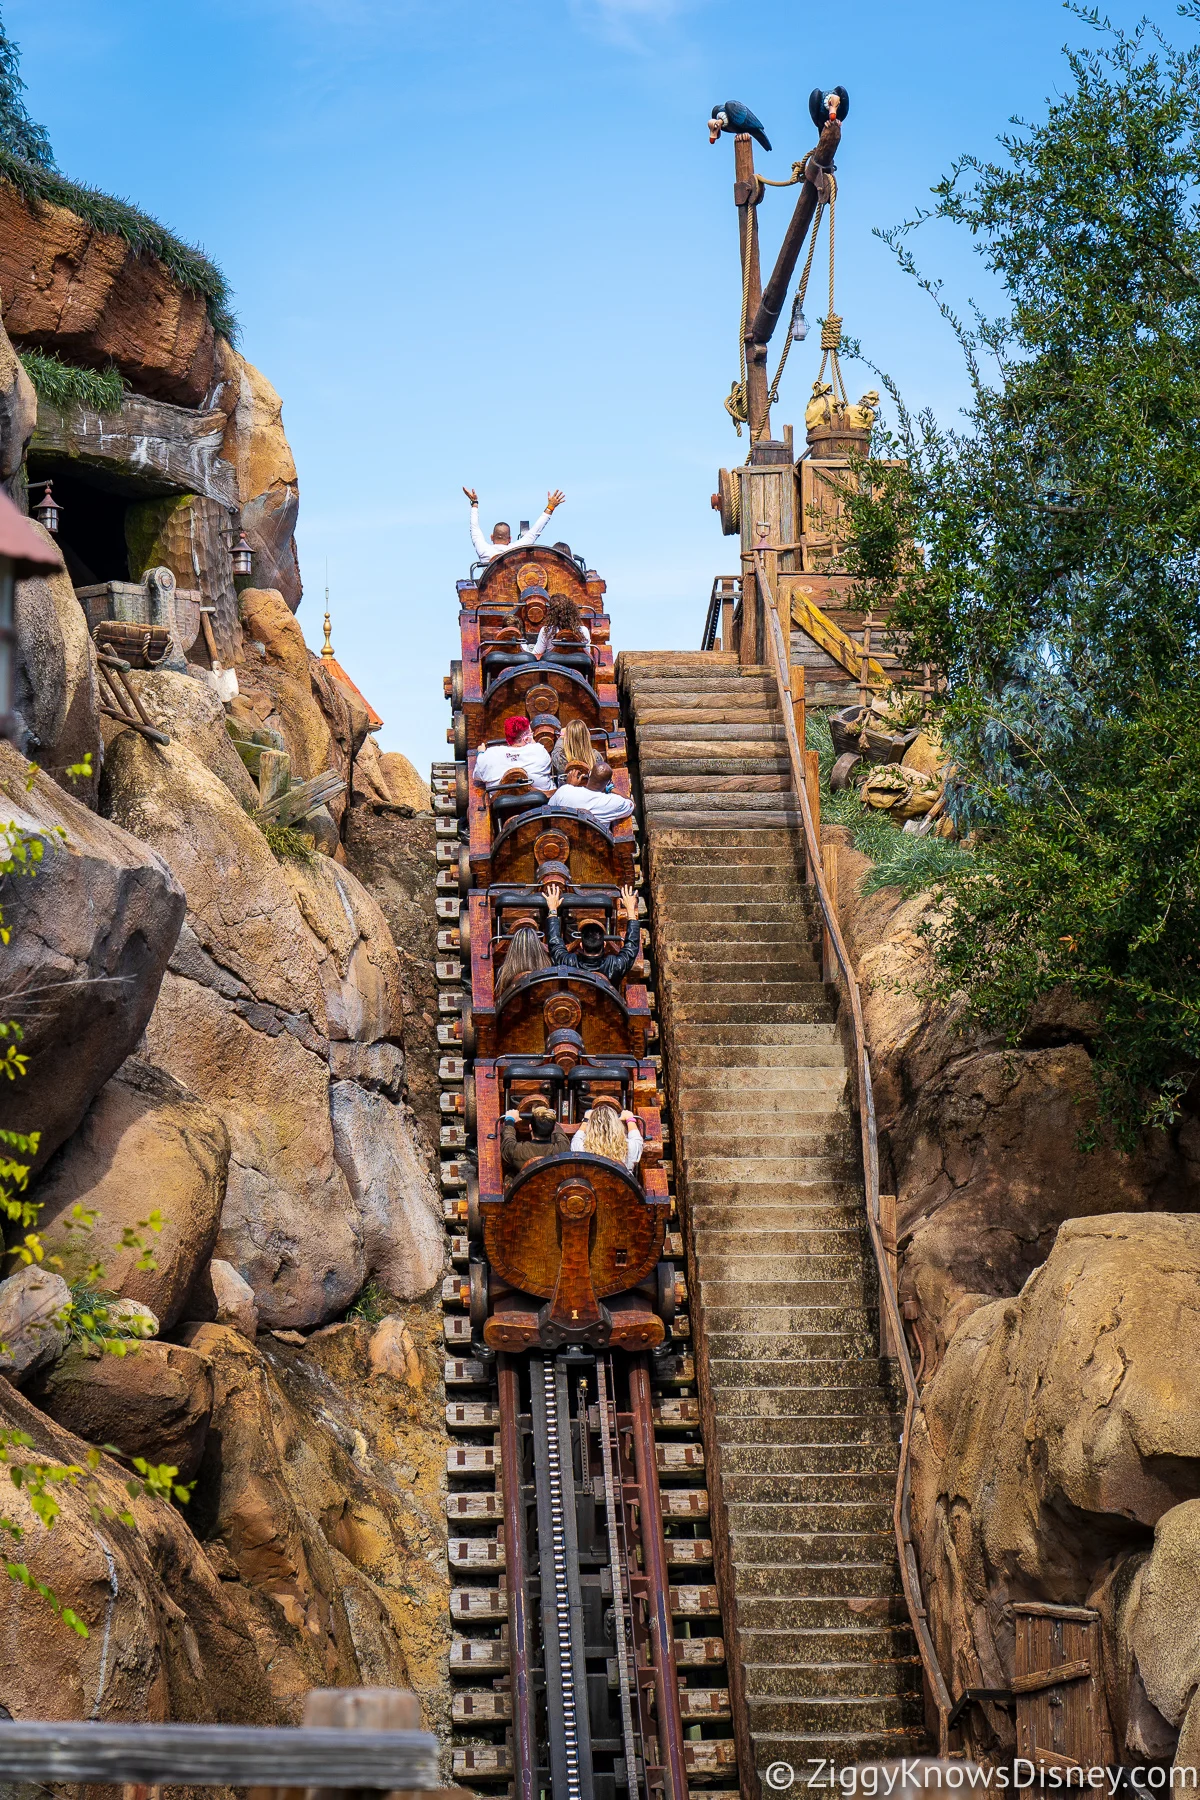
{"x": 302, "y": 798}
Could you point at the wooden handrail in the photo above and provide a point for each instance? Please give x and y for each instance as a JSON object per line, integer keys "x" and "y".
{"x": 909, "y": 1572}
{"x": 217, "y": 1755}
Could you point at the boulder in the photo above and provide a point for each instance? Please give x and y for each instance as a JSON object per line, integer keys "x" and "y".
{"x": 32, "y": 1332}
{"x": 406, "y": 786}
{"x": 377, "y": 1149}
{"x": 191, "y": 715}
{"x": 90, "y": 936}
{"x": 55, "y": 689}
{"x": 145, "y": 1142}
{"x": 165, "y": 1638}
{"x": 1061, "y": 1428}
{"x": 18, "y": 409}
{"x": 275, "y": 667}
{"x": 357, "y": 960}
{"x": 154, "y": 1401}
{"x": 392, "y": 1352}
{"x": 240, "y": 908}
{"x": 257, "y": 447}
{"x": 320, "y": 1542}
{"x": 289, "y": 1225}
{"x": 92, "y": 297}
{"x": 392, "y": 857}
{"x": 233, "y": 1298}
{"x": 377, "y": 1067}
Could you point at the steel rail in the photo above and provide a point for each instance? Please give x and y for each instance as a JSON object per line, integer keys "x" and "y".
{"x": 607, "y": 1432}
{"x": 910, "y": 1574}
{"x": 516, "y": 1556}
{"x": 662, "y": 1640}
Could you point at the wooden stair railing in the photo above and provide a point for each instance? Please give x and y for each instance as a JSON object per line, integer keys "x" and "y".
{"x": 909, "y": 1571}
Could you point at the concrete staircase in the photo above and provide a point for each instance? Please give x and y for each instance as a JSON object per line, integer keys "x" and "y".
{"x": 802, "y": 1431}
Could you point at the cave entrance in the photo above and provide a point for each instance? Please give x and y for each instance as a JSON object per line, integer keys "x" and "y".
{"x": 94, "y": 520}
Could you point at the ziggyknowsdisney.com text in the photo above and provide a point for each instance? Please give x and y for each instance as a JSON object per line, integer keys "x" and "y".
{"x": 875, "y": 1779}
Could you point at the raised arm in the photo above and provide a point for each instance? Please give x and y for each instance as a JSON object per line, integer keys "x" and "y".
{"x": 482, "y": 547}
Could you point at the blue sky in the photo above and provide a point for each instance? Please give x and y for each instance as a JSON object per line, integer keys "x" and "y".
{"x": 487, "y": 242}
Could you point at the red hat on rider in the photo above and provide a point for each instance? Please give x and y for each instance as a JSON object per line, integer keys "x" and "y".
{"x": 515, "y": 728}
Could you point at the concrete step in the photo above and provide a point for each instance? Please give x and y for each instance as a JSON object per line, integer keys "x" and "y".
{"x": 830, "y": 1516}
{"x": 895, "y": 1676}
{"x": 840, "y": 1581}
{"x": 653, "y": 737}
{"x": 815, "y": 1714}
{"x": 830, "y": 1646}
{"x": 810, "y": 1459}
{"x": 780, "y": 1377}
{"x": 799, "y": 1346}
{"x": 761, "y": 1012}
{"x": 813, "y": 1428}
{"x": 812, "y": 1754}
{"x": 809, "y": 1549}
{"x": 828, "y": 1259}
{"x": 835, "y": 1298}
{"x": 853, "y": 1487}
{"x": 787, "y": 1169}
{"x": 794, "y": 1403}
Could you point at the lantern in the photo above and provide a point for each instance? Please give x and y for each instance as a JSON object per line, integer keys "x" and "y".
{"x": 241, "y": 557}
{"x": 47, "y": 509}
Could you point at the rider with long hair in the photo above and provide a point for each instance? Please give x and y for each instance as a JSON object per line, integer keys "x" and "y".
{"x": 607, "y": 1131}
{"x": 574, "y": 746}
{"x": 562, "y": 614}
{"x": 526, "y": 955}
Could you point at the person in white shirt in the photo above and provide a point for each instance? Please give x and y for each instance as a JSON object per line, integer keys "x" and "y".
{"x": 587, "y": 795}
{"x": 518, "y": 751}
{"x": 502, "y": 537}
{"x": 606, "y": 1131}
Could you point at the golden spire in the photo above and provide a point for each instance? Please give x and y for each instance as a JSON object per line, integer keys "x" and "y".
{"x": 327, "y": 646}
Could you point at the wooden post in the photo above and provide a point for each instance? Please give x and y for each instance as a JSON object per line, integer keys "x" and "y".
{"x": 799, "y": 705}
{"x": 829, "y": 860}
{"x": 750, "y": 638}
{"x": 745, "y": 194}
{"x": 887, "y": 1231}
{"x": 727, "y": 643}
{"x": 812, "y": 787}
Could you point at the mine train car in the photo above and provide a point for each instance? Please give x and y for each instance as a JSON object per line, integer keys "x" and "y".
{"x": 575, "y": 1499}
{"x": 570, "y": 1249}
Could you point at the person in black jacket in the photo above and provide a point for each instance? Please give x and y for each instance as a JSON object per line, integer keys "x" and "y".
{"x": 591, "y": 955}
{"x": 549, "y": 1138}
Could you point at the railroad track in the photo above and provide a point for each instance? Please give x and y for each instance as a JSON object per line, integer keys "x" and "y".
{"x": 587, "y": 1661}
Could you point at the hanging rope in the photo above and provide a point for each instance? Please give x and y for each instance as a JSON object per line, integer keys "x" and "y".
{"x": 831, "y": 330}
{"x": 735, "y": 404}
{"x": 797, "y": 303}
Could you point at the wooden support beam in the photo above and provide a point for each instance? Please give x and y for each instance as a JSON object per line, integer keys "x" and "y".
{"x": 812, "y": 787}
{"x": 762, "y": 321}
{"x": 745, "y": 194}
{"x": 829, "y": 858}
{"x": 832, "y": 639}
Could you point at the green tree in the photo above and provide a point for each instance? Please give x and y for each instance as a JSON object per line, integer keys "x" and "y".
{"x": 18, "y": 132}
{"x": 1058, "y": 582}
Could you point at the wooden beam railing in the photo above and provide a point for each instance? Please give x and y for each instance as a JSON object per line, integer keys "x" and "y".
{"x": 351, "y": 1738}
{"x": 910, "y": 1574}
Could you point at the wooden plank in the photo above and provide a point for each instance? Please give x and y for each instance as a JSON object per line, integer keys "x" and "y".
{"x": 1039, "y": 1678}
{"x": 831, "y": 638}
{"x": 217, "y": 1755}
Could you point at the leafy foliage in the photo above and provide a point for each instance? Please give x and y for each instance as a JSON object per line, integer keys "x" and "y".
{"x": 1058, "y": 588}
{"x": 190, "y": 267}
{"x": 373, "y": 1304}
{"x": 18, "y": 132}
{"x": 286, "y": 843}
{"x": 65, "y": 385}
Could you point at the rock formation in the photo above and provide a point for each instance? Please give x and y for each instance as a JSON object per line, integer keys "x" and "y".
{"x": 216, "y": 1044}
{"x": 1056, "y": 1457}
